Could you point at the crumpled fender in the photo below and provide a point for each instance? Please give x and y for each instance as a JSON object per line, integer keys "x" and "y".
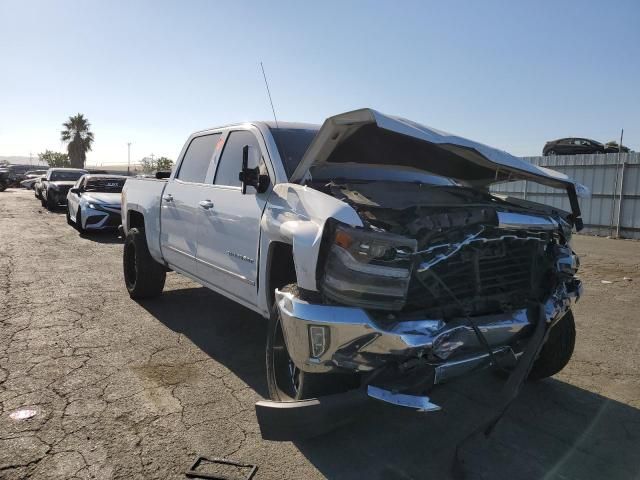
{"x": 296, "y": 215}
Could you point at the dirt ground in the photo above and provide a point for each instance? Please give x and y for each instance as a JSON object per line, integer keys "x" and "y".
{"x": 122, "y": 389}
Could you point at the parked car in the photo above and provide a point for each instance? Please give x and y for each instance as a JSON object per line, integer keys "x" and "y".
{"x": 5, "y": 180}
{"x": 93, "y": 203}
{"x": 14, "y": 174}
{"x": 613, "y": 147}
{"x": 572, "y": 146}
{"x": 56, "y": 184}
{"x": 37, "y": 186}
{"x": 30, "y": 182}
{"x": 371, "y": 245}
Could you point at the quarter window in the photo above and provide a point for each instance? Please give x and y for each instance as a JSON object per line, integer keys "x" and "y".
{"x": 230, "y": 162}
{"x": 197, "y": 158}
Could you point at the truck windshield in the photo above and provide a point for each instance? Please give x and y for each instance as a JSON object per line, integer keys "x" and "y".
{"x": 292, "y": 143}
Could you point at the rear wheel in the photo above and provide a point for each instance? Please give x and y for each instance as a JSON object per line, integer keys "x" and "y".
{"x": 143, "y": 276}
{"x": 285, "y": 381}
{"x": 557, "y": 350}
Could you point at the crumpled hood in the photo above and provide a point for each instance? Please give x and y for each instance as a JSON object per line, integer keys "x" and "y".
{"x": 368, "y": 137}
{"x": 106, "y": 198}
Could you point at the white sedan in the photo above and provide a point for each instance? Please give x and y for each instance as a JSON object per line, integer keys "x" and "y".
{"x": 94, "y": 202}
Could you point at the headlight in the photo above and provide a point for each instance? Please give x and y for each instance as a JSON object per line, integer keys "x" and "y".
{"x": 368, "y": 269}
{"x": 92, "y": 206}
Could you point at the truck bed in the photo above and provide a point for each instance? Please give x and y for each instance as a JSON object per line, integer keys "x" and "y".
{"x": 144, "y": 195}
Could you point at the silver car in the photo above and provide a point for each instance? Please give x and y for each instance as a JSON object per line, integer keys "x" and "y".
{"x": 94, "y": 202}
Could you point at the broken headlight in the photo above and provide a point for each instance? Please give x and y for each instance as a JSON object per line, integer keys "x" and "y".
{"x": 368, "y": 269}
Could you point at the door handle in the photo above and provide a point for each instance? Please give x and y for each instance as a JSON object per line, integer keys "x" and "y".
{"x": 206, "y": 204}
{"x": 168, "y": 197}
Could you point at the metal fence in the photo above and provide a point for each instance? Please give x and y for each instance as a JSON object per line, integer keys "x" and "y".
{"x": 614, "y": 206}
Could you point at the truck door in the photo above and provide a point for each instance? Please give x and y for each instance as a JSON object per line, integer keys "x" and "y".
{"x": 180, "y": 211}
{"x": 229, "y": 225}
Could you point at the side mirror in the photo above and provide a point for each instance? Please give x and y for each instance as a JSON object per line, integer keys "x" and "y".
{"x": 75, "y": 190}
{"x": 250, "y": 174}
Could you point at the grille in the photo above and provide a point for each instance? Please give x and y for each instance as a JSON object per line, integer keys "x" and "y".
{"x": 484, "y": 277}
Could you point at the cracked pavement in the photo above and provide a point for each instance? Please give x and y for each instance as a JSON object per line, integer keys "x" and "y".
{"x": 122, "y": 389}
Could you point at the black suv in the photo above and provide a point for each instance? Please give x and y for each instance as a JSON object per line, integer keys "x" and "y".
{"x": 572, "y": 146}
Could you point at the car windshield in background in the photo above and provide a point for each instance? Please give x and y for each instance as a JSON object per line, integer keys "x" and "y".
{"x": 105, "y": 185}
{"x": 65, "y": 176}
{"x": 292, "y": 143}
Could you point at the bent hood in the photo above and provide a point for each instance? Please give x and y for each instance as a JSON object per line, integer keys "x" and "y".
{"x": 368, "y": 137}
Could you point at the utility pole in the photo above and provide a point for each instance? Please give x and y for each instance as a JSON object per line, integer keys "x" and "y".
{"x": 30, "y": 159}
{"x": 128, "y": 158}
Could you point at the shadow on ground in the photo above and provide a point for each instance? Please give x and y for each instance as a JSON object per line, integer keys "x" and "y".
{"x": 553, "y": 430}
{"x": 224, "y": 330}
{"x": 98, "y": 236}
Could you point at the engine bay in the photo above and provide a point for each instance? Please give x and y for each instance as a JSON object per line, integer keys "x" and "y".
{"x": 467, "y": 261}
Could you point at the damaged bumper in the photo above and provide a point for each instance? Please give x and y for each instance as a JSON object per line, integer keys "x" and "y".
{"x": 324, "y": 338}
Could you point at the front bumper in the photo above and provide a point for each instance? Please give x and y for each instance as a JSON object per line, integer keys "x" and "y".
{"x": 354, "y": 340}
{"x": 102, "y": 217}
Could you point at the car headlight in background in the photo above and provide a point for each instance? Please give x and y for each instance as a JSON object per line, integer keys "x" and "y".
{"x": 368, "y": 269}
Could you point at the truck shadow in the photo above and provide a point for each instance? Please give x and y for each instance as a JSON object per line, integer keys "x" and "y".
{"x": 227, "y": 332}
{"x": 553, "y": 430}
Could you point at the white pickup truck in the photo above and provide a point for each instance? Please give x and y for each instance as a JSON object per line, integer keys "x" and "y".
{"x": 373, "y": 246}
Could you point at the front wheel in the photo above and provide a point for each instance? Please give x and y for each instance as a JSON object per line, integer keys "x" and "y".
{"x": 69, "y": 222}
{"x": 285, "y": 381}
{"x": 50, "y": 203}
{"x": 557, "y": 350}
{"x": 78, "y": 225}
{"x": 143, "y": 276}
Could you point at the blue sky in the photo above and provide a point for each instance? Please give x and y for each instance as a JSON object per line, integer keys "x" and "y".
{"x": 509, "y": 74}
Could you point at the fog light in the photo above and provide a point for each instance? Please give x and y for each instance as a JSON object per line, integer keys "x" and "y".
{"x": 319, "y": 340}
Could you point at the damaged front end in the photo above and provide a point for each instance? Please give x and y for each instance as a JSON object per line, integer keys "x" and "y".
{"x": 442, "y": 281}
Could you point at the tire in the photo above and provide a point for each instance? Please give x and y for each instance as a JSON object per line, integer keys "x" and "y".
{"x": 78, "y": 223}
{"x": 50, "y": 204}
{"x": 69, "y": 222}
{"x": 557, "y": 350}
{"x": 3, "y": 186}
{"x": 285, "y": 381}
{"x": 143, "y": 276}
{"x": 42, "y": 202}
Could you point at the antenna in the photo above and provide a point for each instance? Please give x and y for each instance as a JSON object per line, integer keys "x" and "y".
{"x": 269, "y": 93}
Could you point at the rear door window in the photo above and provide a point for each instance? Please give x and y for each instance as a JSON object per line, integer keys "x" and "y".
{"x": 197, "y": 158}
{"x": 230, "y": 162}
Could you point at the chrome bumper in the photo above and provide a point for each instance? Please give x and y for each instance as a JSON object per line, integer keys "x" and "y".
{"x": 354, "y": 340}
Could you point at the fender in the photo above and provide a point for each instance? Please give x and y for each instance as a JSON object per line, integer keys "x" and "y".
{"x": 296, "y": 215}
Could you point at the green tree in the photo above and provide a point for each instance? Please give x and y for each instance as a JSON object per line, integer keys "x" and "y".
{"x": 150, "y": 165}
{"x": 55, "y": 159}
{"x": 164, "y": 163}
{"x": 78, "y": 137}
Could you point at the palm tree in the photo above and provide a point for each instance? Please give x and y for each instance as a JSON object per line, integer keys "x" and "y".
{"x": 78, "y": 137}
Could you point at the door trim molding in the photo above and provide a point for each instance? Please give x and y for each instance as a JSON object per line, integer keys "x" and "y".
{"x": 228, "y": 272}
